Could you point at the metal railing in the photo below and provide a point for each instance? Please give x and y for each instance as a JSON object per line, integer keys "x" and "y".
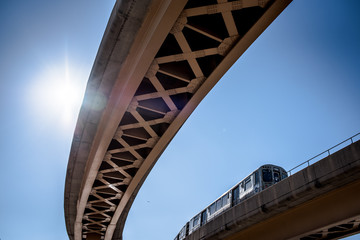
{"x": 324, "y": 152}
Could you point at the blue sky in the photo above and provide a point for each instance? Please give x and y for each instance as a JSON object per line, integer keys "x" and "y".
{"x": 293, "y": 94}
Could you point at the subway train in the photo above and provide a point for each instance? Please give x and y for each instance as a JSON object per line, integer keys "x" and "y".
{"x": 258, "y": 180}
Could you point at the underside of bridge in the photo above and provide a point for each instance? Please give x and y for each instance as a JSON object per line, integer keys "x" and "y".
{"x": 158, "y": 59}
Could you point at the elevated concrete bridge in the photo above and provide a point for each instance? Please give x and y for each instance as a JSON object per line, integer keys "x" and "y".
{"x": 158, "y": 59}
{"x": 319, "y": 202}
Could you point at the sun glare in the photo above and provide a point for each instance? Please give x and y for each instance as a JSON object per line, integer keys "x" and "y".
{"x": 57, "y": 94}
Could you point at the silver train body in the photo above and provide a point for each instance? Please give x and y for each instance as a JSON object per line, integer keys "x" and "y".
{"x": 260, "y": 179}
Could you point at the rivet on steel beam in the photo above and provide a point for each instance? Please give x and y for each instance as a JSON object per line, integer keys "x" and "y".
{"x": 169, "y": 116}
{"x": 137, "y": 163}
{"x": 118, "y": 135}
{"x": 179, "y": 25}
{"x": 152, "y": 141}
{"x": 107, "y": 156}
{"x": 154, "y": 67}
{"x": 212, "y": 9}
{"x": 195, "y": 84}
{"x": 126, "y": 181}
{"x": 237, "y": 5}
{"x": 133, "y": 105}
{"x": 226, "y": 45}
{"x": 263, "y": 3}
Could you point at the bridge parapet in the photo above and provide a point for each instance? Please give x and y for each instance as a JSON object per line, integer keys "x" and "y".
{"x": 307, "y": 205}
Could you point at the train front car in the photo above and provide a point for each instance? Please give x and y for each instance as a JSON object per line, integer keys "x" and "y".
{"x": 269, "y": 175}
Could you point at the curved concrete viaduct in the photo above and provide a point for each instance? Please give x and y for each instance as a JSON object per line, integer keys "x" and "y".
{"x": 157, "y": 61}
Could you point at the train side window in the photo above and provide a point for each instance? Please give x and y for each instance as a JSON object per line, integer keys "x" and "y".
{"x": 267, "y": 175}
{"x": 247, "y": 183}
{"x": 225, "y": 199}
{"x": 218, "y": 204}
{"x": 256, "y": 177}
{"x": 235, "y": 195}
{"x": 212, "y": 208}
{"x": 203, "y": 218}
{"x": 196, "y": 221}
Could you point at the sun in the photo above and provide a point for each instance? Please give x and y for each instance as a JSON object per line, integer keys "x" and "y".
{"x": 57, "y": 93}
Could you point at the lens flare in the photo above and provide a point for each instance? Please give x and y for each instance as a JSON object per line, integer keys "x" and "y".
{"x": 57, "y": 94}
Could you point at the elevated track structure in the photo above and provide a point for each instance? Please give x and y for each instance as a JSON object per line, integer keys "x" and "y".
{"x": 319, "y": 202}
{"x": 158, "y": 59}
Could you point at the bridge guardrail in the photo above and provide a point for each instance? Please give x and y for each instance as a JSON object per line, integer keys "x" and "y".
{"x": 350, "y": 139}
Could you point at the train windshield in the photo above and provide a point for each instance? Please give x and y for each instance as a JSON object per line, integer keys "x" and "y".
{"x": 267, "y": 175}
{"x": 276, "y": 176}
{"x": 284, "y": 175}
{"x": 196, "y": 221}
